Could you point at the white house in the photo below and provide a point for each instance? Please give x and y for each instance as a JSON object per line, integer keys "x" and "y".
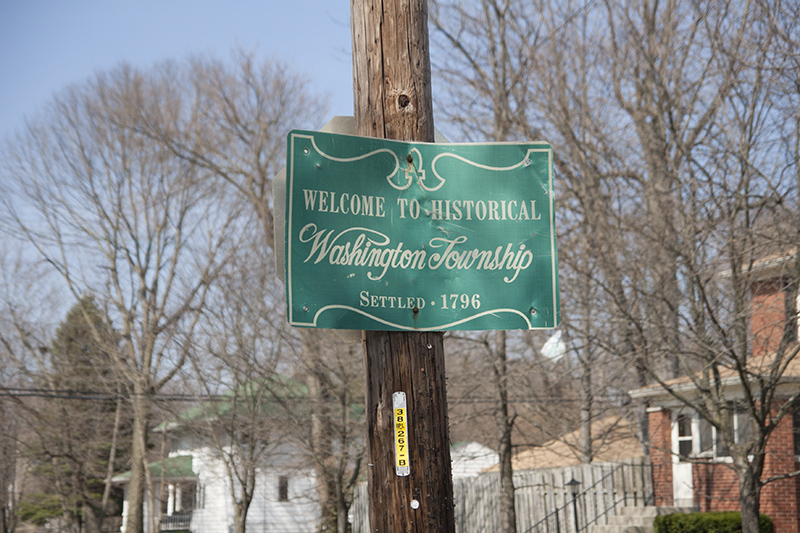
{"x": 191, "y": 487}
{"x": 196, "y": 497}
{"x": 468, "y": 459}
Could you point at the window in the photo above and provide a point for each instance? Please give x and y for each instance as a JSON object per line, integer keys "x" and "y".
{"x": 685, "y": 436}
{"x": 796, "y": 429}
{"x": 742, "y": 429}
{"x": 744, "y": 426}
{"x": 283, "y": 489}
{"x": 792, "y": 305}
{"x": 696, "y": 437}
{"x": 178, "y": 498}
{"x": 188, "y": 497}
{"x": 200, "y": 497}
{"x": 707, "y": 433}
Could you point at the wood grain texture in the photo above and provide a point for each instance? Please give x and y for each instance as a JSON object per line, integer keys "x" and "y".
{"x": 391, "y": 69}
{"x": 392, "y": 96}
{"x": 412, "y": 363}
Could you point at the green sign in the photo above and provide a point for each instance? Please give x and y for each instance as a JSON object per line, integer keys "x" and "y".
{"x": 389, "y": 235}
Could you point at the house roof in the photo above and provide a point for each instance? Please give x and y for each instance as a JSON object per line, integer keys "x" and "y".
{"x": 729, "y": 376}
{"x": 470, "y": 458}
{"x": 771, "y": 266}
{"x": 275, "y": 386}
{"x": 613, "y": 439}
{"x": 179, "y": 466}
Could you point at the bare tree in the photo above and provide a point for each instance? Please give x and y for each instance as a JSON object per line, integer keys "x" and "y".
{"x": 485, "y": 69}
{"x": 267, "y": 375}
{"x": 28, "y": 306}
{"x": 116, "y": 215}
{"x": 237, "y": 133}
{"x": 487, "y": 76}
{"x": 234, "y": 123}
{"x": 239, "y": 360}
{"x": 693, "y": 111}
{"x": 8, "y": 452}
{"x": 695, "y": 115}
{"x": 71, "y": 417}
{"x": 334, "y": 440}
{"x": 675, "y": 132}
{"x": 9, "y": 428}
{"x": 485, "y": 379}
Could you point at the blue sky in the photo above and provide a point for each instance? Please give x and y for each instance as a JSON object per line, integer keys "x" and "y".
{"x": 46, "y": 45}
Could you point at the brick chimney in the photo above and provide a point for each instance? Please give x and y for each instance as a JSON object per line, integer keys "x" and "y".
{"x": 773, "y": 301}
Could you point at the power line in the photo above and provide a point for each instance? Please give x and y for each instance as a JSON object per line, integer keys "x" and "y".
{"x": 68, "y": 394}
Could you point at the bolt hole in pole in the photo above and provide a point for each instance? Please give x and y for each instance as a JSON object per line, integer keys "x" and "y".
{"x": 403, "y": 101}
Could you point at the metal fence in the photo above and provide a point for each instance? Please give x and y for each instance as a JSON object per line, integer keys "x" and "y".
{"x": 177, "y": 522}
{"x": 545, "y": 501}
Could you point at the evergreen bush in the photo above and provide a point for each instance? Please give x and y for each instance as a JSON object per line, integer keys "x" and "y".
{"x": 716, "y": 522}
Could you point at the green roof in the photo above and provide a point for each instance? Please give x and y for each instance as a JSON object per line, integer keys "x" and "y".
{"x": 179, "y": 466}
{"x": 270, "y": 389}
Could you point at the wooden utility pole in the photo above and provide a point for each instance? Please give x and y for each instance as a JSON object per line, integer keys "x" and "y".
{"x": 392, "y": 86}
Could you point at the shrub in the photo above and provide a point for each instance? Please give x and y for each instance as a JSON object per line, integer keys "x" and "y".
{"x": 38, "y": 508}
{"x": 718, "y": 522}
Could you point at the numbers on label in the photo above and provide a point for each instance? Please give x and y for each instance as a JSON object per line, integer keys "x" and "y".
{"x": 461, "y": 301}
{"x": 401, "y": 436}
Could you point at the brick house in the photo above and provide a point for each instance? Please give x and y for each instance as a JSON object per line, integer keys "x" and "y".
{"x": 690, "y": 466}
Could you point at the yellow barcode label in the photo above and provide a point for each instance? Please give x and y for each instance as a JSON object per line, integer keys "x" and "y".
{"x": 402, "y": 463}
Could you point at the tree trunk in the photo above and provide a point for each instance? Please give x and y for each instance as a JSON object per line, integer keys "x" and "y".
{"x": 240, "y": 517}
{"x": 321, "y": 444}
{"x": 91, "y": 521}
{"x": 8, "y": 456}
{"x": 392, "y": 86}
{"x": 587, "y": 400}
{"x": 320, "y": 429}
{"x": 508, "y": 512}
{"x": 342, "y": 525}
{"x": 112, "y": 459}
{"x": 749, "y": 500}
{"x": 136, "y": 487}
